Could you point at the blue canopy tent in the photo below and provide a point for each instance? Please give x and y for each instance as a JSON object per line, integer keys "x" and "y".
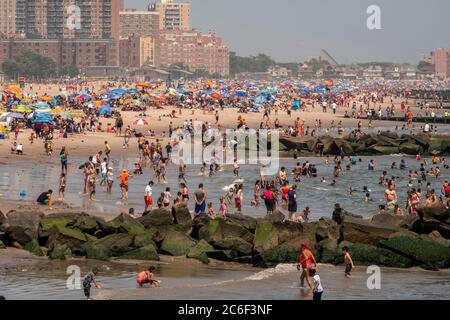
{"x": 105, "y": 110}
{"x": 296, "y": 105}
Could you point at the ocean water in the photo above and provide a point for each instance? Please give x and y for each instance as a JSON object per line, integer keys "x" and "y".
{"x": 34, "y": 178}
{"x": 188, "y": 281}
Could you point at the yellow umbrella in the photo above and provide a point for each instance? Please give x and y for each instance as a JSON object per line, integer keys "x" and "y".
{"x": 22, "y": 109}
{"x": 14, "y": 89}
{"x": 98, "y": 103}
{"x": 45, "y": 98}
{"x": 54, "y": 111}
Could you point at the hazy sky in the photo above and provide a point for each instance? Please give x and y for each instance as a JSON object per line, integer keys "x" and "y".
{"x": 288, "y": 30}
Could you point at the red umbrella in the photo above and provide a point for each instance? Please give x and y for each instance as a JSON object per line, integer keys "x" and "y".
{"x": 141, "y": 122}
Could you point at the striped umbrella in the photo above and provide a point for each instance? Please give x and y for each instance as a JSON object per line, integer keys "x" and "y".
{"x": 141, "y": 122}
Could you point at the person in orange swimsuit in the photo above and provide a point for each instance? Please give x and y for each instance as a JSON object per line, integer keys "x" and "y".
{"x": 306, "y": 261}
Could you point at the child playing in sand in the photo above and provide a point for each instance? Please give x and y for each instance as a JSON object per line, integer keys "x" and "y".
{"x": 88, "y": 280}
{"x": 147, "y": 277}
{"x": 348, "y": 261}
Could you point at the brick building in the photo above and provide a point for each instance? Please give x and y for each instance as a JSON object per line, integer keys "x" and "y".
{"x": 442, "y": 63}
{"x": 198, "y": 51}
{"x": 83, "y": 53}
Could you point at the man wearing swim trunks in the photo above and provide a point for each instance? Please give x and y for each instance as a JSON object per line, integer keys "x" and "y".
{"x": 148, "y": 198}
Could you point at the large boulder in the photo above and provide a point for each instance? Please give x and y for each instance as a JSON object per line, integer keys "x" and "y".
{"x": 156, "y": 218}
{"x": 200, "y": 251}
{"x": 144, "y": 253}
{"x": 327, "y": 251}
{"x": 384, "y": 150}
{"x": 236, "y": 244}
{"x": 22, "y": 227}
{"x": 146, "y": 238}
{"x": 124, "y": 223}
{"x": 424, "y": 252}
{"x": 92, "y": 225}
{"x": 276, "y": 216}
{"x": 433, "y": 217}
{"x": 219, "y": 229}
{"x": 223, "y": 255}
{"x": 389, "y": 134}
{"x": 406, "y": 222}
{"x": 422, "y": 139}
{"x": 434, "y": 211}
{"x": 116, "y": 244}
{"x": 364, "y": 254}
{"x": 181, "y": 214}
{"x": 363, "y": 231}
{"x": 2, "y": 218}
{"x": 439, "y": 144}
{"x": 327, "y": 229}
{"x": 386, "y": 141}
{"x": 410, "y": 148}
{"x": 247, "y": 222}
{"x": 270, "y": 235}
{"x": 59, "y": 252}
{"x": 55, "y": 219}
{"x": 34, "y": 248}
{"x": 437, "y": 237}
{"x": 96, "y": 252}
{"x": 176, "y": 244}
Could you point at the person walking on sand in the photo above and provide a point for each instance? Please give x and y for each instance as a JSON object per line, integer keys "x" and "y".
{"x": 306, "y": 261}
{"x": 348, "y": 261}
{"x": 127, "y": 137}
{"x": 124, "y": 176}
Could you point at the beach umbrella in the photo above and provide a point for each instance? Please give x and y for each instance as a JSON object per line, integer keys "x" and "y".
{"x": 140, "y": 122}
{"x": 55, "y": 111}
{"x": 22, "y": 108}
{"x": 45, "y": 98}
{"x": 43, "y": 110}
{"x": 98, "y": 103}
{"x": 42, "y": 104}
{"x": 143, "y": 85}
{"x": 14, "y": 90}
{"x": 216, "y": 96}
{"x": 14, "y": 115}
{"x": 73, "y": 114}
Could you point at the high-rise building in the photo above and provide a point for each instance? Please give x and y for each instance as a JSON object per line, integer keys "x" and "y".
{"x": 197, "y": 51}
{"x": 7, "y": 18}
{"x": 138, "y": 23}
{"x": 172, "y": 15}
{"x": 82, "y": 53}
{"x": 442, "y": 63}
{"x": 68, "y": 19}
{"x": 137, "y": 51}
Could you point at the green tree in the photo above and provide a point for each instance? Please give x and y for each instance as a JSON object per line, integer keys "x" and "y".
{"x": 12, "y": 68}
{"x": 31, "y": 65}
{"x": 71, "y": 71}
{"x": 258, "y": 63}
